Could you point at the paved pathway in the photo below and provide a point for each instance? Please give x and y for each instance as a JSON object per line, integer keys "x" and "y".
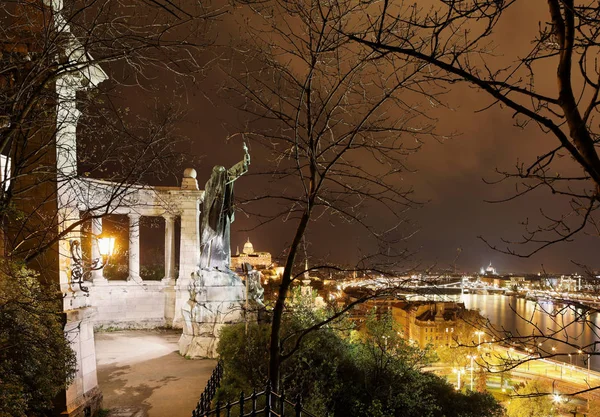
{"x": 141, "y": 374}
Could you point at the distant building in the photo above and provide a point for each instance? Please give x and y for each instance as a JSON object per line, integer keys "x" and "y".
{"x": 496, "y": 281}
{"x": 490, "y": 270}
{"x": 258, "y": 260}
{"x": 423, "y": 322}
{"x": 429, "y": 323}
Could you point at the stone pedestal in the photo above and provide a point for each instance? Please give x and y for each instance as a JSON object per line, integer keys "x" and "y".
{"x": 216, "y": 299}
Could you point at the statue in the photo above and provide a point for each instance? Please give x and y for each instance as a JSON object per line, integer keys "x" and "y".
{"x": 216, "y": 293}
{"x": 255, "y": 293}
{"x": 218, "y": 213}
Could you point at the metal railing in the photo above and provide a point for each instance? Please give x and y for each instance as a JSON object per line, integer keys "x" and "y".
{"x": 275, "y": 405}
{"x": 209, "y": 392}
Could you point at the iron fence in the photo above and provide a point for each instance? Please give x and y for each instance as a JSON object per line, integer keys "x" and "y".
{"x": 267, "y": 403}
{"x": 209, "y": 392}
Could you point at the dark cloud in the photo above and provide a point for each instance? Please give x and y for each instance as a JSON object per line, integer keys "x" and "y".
{"x": 448, "y": 175}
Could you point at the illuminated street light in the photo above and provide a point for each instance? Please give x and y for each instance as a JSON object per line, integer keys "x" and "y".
{"x": 589, "y": 362}
{"x": 479, "y": 333}
{"x": 458, "y": 372}
{"x": 106, "y": 247}
{"x": 472, "y": 357}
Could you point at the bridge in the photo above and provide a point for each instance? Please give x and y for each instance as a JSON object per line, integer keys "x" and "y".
{"x": 426, "y": 285}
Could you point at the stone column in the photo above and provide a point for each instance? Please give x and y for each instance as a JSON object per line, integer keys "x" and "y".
{"x": 189, "y": 250}
{"x": 189, "y": 253}
{"x": 97, "y": 275}
{"x": 134, "y": 247}
{"x": 169, "y": 290}
{"x": 169, "y": 249}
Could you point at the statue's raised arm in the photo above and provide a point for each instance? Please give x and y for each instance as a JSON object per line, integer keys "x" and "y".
{"x": 240, "y": 168}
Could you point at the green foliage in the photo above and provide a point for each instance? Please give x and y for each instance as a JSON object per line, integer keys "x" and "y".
{"x": 245, "y": 358}
{"x": 532, "y": 401}
{"x": 377, "y": 374}
{"x": 116, "y": 271}
{"x": 35, "y": 357}
{"x": 152, "y": 269}
{"x": 154, "y": 272}
{"x": 464, "y": 342}
{"x": 455, "y": 355}
{"x": 497, "y": 361}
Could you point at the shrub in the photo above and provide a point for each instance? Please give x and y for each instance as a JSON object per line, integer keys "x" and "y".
{"x": 374, "y": 374}
{"x": 35, "y": 358}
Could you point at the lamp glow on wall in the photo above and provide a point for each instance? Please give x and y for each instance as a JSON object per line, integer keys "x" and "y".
{"x": 106, "y": 247}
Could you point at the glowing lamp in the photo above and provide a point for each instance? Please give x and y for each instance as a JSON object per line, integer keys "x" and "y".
{"x": 106, "y": 246}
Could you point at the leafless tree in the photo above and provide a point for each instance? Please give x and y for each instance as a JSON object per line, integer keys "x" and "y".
{"x": 458, "y": 42}
{"x": 44, "y": 41}
{"x": 335, "y": 132}
{"x": 456, "y": 39}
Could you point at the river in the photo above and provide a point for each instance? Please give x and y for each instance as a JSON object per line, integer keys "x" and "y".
{"x": 500, "y": 310}
{"x": 508, "y": 312}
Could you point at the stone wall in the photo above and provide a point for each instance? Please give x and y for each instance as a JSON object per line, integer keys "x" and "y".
{"x": 132, "y": 305}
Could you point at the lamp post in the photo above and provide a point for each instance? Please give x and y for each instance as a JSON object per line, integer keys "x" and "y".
{"x": 471, "y": 357}
{"x": 458, "y": 372}
{"x": 589, "y": 363}
{"x": 106, "y": 246}
{"x": 479, "y": 333}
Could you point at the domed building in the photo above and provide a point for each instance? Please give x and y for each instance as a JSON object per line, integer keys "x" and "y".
{"x": 490, "y": 270}
{"x": 258, "y": 260}
{"x": 248, "y": 248}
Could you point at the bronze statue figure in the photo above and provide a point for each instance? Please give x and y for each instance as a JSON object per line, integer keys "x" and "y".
{"x": 218, "y": 213}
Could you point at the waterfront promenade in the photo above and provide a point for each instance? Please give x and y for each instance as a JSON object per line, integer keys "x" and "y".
{"x": 576, "y": 388}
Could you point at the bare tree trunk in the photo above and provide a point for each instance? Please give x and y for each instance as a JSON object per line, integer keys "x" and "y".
{"x": 286, "y": 281}
{"x": 334, "y": 150}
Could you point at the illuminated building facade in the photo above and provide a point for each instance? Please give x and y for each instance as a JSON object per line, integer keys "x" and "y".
{"x": 258, "y": 260}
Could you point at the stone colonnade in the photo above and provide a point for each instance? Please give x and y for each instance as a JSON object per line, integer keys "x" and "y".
{"x": 134, "y": 249}
{"x": 135, "y": 302}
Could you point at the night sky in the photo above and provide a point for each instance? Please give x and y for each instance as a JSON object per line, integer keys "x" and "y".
{"x": 448, "y": 176}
